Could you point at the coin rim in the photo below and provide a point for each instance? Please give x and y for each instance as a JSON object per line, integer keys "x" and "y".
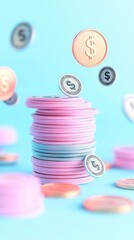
{"x": 127, "y": 96}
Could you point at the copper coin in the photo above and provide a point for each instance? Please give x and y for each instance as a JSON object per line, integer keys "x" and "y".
{"x": 89, "y": 48}
{"x": 65, "y": 190}
{"x": 8, "y": 157}
{"x": 108, "y": 204}
{"x": 108, "y": 165}
{"x": 127, "y": 183}
{"x": 7, "y": 83}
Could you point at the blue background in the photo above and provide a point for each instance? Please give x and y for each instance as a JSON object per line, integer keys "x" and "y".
{"x": 38, "y": 68}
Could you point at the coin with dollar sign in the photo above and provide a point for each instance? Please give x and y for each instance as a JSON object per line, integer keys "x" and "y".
{"x": 107, "y": 76}
{"x": 70, "y": 85}
{"x": 94, "y": 165}
{"x": 7, "y": 83}
{"x": 22, "y": 35}
{"x": 89, "y": 48}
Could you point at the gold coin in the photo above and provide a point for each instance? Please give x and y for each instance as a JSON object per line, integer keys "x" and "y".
{"x": 89, "y": 48}
{"x": 65, "y": 190}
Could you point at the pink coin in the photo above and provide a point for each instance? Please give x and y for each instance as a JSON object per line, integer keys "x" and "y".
{"x": 58, "y": 164}
{"x": 54, "y": 99}
{"x": 52, "y": 176}
{"x": 46, "y": 105}
{"x": 63, "y": 137}
{"x": 124, "y": 150}
{"x": 125, "y": 165}
{"x": 81, "y": 126}
{"x": 125, "y": 157}
{"x": 82, "y": 141}
{"x": 61, "y": 130}
{"x": 8, "y": 135}
{"x": 54, "y": 171}
{"x": 63, "y": 112}
{"x": 83, "y": 180}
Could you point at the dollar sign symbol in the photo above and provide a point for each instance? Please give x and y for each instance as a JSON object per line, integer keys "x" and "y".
{"x": 22, "y": 35}
{"x": 71, "y": 85}
{"x": 107, "y": 75}
{"x": 95, "y": 165}
{"x": 92, "y": 50}
{"x": 4, "y": 85}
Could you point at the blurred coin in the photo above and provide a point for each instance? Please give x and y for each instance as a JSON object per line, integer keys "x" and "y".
{"x": 13, "y": 100}
{"x": 107, "y": 76}
{"x": 127, "y": 183}
{"x": 7, "y": 83}
{"x": 108, "y": 165}
{"x": 22, "y": 35}
{"x": 94, "y": 165}
{"x": 70, "y": 85}
{"x": 8, "y": 157}
{"x": 65, "y": 190}
{"x": 128, "y": 106}
{"x": 108, "y": 204}
{"x": 89, "y": 48}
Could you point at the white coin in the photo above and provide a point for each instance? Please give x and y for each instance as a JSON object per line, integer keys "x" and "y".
{"x": 128, "y": 106}
{"x": 22, "y": 34}
{"x": 70, "y": 85}
{"x": 94, "y": 165}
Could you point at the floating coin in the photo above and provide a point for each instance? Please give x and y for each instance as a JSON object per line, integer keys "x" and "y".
{"x": 89, "y": 48}
{"x": 60, "y": 190}
{"x": 8, "y": 135}
{"x": 108, "y": 204}
{"x": 8, "y": 157}
{"x": 127, "y": 183}
{"x": 12, "y": 101}
{"x": 7, "y": 83}
{"x": 21, "y": 35}
{"x": 70, "y": 85}
{"x": 94, "y": 165}
{"x": 108, "y": 165}
{"x": 128, "y": 106}
{"x": 107, "y": 76}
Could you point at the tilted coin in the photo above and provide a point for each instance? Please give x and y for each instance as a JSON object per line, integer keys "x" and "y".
{"x": 107, "y": 76}
{"x": 128, "y": 106}
{"x": 22, "y": 35}
{"x": 89, "y": 48}
{"x": 13, "y": 100}
{"x": 94, "y": 165}
{"x": 70, "y": 85}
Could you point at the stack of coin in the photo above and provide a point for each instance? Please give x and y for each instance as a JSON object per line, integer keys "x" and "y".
{"x": 20, "y": 195}
{"x": 63, "y": 134}
{"x": 124, "y": 157}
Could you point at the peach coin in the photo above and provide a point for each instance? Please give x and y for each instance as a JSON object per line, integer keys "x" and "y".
{"x": 89, "y": 48}
{"x": 7, "y": 83}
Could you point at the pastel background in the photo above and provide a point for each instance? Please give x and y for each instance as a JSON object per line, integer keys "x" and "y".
{"x": 38, "y": 68}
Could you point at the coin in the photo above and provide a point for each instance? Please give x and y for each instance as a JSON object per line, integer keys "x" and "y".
{"x": 108, "y": 204}
{"x": 60, "y": 190}
{"x": 21, "y": 35}
{"x": 128, "y": 106}
{"x": 70, "y": 85}
{"x": 127, "y": 183}
{"x": 107, "y": 76}
{"x": 12, "y": 100}
{"x": 89, "y": 48}
{"x": 8, "y": 157}
{"x": 7, "y": 83}
{"x": 94, "y": 165}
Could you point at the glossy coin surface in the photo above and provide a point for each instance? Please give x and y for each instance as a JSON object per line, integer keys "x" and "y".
{"x": 94, "y": 165}
{"x": 108, "y": 204}
{"x": 127, "y": 183}
{"x": 89, "y": 48}
{"x": 7, "y": 83}
{"x": 60, "y": 190}
{"x": 70, "y": 85}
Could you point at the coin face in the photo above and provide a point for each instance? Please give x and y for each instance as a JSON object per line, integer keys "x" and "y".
{"x": 7, "y": 83}
{"x": 107, "y": 76}
{"x": 108, "y": 204}
{"x": 89, "y": 48}
{"x": 60, "y": 190}
{"x": 128, "y": 106}
{"x": 70, "y": 85}
{"x": 12, "y": 100}
{"x": 94, "y": 165}
{"x": 127, "y": 183}
{"x": 22, "y": 35}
